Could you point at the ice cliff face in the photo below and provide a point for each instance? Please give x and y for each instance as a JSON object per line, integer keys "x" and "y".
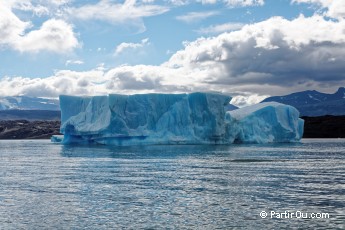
{"x": 196, "y": 118}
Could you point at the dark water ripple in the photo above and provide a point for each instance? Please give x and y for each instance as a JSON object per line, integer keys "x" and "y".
{"x": 45, "y": 186}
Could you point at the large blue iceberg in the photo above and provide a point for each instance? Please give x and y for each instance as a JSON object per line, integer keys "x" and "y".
{"x": 196, "y": 118}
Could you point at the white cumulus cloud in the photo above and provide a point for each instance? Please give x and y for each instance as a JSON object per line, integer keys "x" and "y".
{"x": 11, "y": 27}
{"x": 270, "y": 56}
{"x": 334, "y": 8}
{"x": 55, "y": 35}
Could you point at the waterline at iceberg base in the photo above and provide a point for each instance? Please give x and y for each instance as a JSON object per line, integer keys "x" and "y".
{"x": 195, "y": 118}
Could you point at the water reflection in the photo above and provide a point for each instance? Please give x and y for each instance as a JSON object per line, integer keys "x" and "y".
{"x": 141, "y": 151}
{"x": 235, "y": 150}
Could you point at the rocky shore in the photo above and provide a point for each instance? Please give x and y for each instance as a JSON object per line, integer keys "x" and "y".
{"x": 324, "y": 127}
{"x": 23, "y": 129}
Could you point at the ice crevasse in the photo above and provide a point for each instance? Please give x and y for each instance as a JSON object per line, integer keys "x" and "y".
{"x": 195, "y": 118}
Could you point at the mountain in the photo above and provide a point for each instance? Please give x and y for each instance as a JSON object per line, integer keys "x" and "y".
{"x": 30, "y": 115}
{"x": 313, "y": 103}
{"x": 28, "y": 103}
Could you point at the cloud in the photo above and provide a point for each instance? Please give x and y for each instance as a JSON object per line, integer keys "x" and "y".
{"x": 60, "y": 2}
{"x": 123, "y": 47}
{"x": 11, "y": 27}
{"x": 192, "y": 17}
{"x": 229, "y": 3}
{"x": 74, "y": 62}
{"x": 221, "y": 28}
{"x": 244, "y": 3}
{"x": 244, "y": 98}
{"x": 55, "y": 35}
{"x": 272, "y": 57}
{"x": 130, "y": 12}
{"x": 23, "y": 5}
{"x": 63, "y": 82}
{"x": 40, "y": 8}
{"x": 123, "y": 79}
{"x": 334, "y": 8}
{"x": 207, "y": 1}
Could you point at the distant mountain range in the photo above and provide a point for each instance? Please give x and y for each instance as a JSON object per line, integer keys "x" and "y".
{"x": 30, "y": 115}
{"x": 29, "y": 108}
{"x": 313, "y": 103}
{"x": 28, "y": 103}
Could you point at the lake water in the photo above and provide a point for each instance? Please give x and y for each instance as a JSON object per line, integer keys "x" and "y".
{"x": 45, "y": 186}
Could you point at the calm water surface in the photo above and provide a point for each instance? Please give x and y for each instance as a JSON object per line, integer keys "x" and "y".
{"x": 45, "y": 186}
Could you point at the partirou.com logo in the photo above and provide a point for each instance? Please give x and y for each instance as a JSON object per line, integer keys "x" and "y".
{"x": 293, "y": 215}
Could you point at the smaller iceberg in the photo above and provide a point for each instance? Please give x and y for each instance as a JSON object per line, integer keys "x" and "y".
{"x": 265, "y": 122}
{"x": 196, "y": 118}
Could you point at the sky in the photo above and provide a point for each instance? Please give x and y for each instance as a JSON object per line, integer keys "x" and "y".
{"x": 249, "y": 49}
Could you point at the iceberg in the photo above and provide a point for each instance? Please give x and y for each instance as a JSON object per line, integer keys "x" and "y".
{"x": 266, "y": 122}
{"x": 196, "y": 118}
